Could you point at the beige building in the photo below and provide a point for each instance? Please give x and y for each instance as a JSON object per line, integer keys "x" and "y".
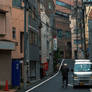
{"x": 77, "y": 31}
{"x": 88, "y": 28}
{"x": 88, "y": 14}
{"x": 6, "y": 42}
{"x": 74, "y": 40}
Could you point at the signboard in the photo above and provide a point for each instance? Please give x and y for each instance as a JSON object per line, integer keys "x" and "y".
{"x": 55, "y": 44}
{"x": 59, "y": 33}
{"x": 45, "y": 66}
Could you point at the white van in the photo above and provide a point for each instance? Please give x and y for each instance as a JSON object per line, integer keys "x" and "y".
{"x": 82, "y": 74}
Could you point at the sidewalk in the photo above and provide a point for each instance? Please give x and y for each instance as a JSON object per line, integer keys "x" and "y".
{"x": 11, "y": 90}
{"x": 29, "y": 85}
{"x": 32, "y": 84}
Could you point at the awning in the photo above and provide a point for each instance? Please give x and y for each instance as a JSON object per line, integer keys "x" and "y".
{"x": 5, "y": 45}
{"x": 3, "y": 11}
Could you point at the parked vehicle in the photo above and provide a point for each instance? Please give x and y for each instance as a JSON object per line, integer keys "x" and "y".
{"x": 82, "y": 73}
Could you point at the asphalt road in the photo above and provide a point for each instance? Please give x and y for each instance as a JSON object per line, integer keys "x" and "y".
{"x": 55, "y": 85}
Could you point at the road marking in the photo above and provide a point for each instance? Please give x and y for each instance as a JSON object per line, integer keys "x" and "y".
{"x": 61, "y": 65}
{"x": 46, "y": 80}
{"x": 90, "y": 90}
{"x": 70, "y": 85}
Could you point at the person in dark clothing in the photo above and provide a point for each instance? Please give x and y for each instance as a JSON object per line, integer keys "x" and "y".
{"x": 41, "y": 72}
{"x": 64, "y": 71}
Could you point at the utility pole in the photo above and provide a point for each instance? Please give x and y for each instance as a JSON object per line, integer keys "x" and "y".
{"x": 76, "y": 29}
{"x": 25, "y": 45}
{"x": 84, "y": 41}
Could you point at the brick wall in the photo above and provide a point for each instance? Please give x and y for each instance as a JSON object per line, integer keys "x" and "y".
{"x": 62, "y": 23}
{"x": 18, "y": 23}
{"x": 6, "y": 6}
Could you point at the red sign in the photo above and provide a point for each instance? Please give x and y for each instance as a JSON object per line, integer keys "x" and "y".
{"x": 45, "y": 66}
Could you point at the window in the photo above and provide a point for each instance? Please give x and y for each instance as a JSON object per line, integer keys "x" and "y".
{"x": 68, "y": 34}
{"x": 36, "y": 38}
{"x": 75, "y": 54}
{"x": 21, "y": 42}
{"x": 77, "y": 41}
{"x": 33, "y": 14}
{"x": 59, "y": 32}
{"x": 69, "y": 44}
{"x": 49, "y": 5}
{"x": 2, "y": 24}
{"x": 63, "y": 4}
{"x": 77, "y": 31}
{"x": 33, "y": 38}
{"x": 83, "y": 67}
{"x": 14, "y": 33}
{"x": 16, "y": 3}
{"x": 47, "y": 45}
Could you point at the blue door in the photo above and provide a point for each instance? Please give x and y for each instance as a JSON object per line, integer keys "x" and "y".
{"x": 15, "y": 73}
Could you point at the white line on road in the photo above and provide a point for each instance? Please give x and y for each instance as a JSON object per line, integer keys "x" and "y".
{"x": 47, "y": 79}
{"x": 70, "y": 85}
{"x": 90, "y": 90}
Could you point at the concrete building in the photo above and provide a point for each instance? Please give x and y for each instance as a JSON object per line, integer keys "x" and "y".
{"x": 79, "y": 42}
{"x": 77, "y": 30}
{"x": 63, "y": 10}
{"x": 47, "y": 18}
{"x": 6, "y": 42}
{"x": 34, "y": 39}
{"x": 50, "y": 11}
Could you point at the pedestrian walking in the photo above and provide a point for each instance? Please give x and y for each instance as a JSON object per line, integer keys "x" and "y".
{"x": 64, "y": 71}
{"x": 41, "y": 71}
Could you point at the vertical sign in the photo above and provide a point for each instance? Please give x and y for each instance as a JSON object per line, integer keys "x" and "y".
{"x": 55, "y": 44}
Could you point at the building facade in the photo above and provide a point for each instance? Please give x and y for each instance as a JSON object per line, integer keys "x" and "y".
{"x": 18, "y": 35}
{"x": 63, "y": 10}
{"x": 77, "y": 30}
{"x": 88, "y": 29}
{"x": 80, "y": 29}
{"x": 6, "y": 43}
{"x": 33, "y": 38}
{"x": 47, "y": 18}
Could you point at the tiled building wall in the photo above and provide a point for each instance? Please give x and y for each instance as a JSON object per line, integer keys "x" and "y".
{"x": 18, "y": 24}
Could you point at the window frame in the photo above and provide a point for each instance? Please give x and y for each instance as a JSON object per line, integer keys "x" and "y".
{"x": 14, "y": 33}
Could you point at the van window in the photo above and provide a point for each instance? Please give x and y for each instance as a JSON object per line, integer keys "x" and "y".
{"x": 83, "y": 68}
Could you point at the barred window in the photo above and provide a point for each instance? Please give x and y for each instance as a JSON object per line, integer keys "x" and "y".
{"x": 16, "y": 3}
